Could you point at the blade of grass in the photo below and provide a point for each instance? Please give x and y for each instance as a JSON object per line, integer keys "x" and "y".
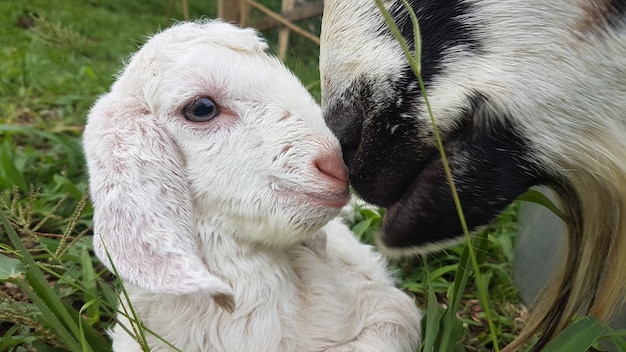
{"x": 130, "y": 332}
{"x": 577, "y": 337}
{"x": 13, "y": 175}
{"x": 434, "y": 313}
{"x": 10, "y": 268}
{"x": 89, "y": 337}
{"x": 415, "y": 62}
{"x": 537, "y": 197}
{"x": 362, "y": 226}
{"x": 6, "y": 341}
{"x": 72, "y": 146}
{"x": 97, "y": 342}
{"x": 617, "y": 337}
{"x": 42, "y": 294}
{"x": 83, "y": 340}
{"x": 89, "y": 287}
{"x": 454, "y": 296}
{"x": 134, "y": 320}
{"x": 440, "y": 271}
{"x": 64, "y": 279}
{"x": 51, "y": 319}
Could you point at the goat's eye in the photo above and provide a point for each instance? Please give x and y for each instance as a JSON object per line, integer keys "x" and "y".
{"x": 201, "y": 110}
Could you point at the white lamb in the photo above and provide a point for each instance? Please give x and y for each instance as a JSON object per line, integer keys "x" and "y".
{"x": 216, "y": 186}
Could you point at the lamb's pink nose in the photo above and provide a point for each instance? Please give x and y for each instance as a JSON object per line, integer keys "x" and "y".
{"x": 331, "y": 165}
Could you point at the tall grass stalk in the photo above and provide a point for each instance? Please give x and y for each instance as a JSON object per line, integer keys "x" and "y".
{"x": 415, "y": 63}
{"x": 57, "y": 316}
{"x": 135, "y": 323}
{"x": 70, "y": 327}
{"x": 137, "y": 327}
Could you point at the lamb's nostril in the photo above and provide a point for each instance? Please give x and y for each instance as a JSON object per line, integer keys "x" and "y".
{"x": 332, "y": 165}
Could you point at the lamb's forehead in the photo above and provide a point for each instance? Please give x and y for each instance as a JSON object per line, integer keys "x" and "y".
{"x": 163, "y": 50}
{"x": 213, "y": 32}
{"x": 187, "y": 45}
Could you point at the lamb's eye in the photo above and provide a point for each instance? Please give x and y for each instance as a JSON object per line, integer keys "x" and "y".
{"x": 201, "y": 110}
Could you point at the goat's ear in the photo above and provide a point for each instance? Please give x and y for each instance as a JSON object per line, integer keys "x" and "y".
{"x": 142, "y": 204}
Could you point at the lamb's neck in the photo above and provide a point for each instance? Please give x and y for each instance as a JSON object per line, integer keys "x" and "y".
{"x": 235, "y": 260}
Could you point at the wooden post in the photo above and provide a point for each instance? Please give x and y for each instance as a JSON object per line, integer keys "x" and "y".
{"x": 300, "y": 12}
{"x": 229, "y": 10}
{"x": 280, "y": 19}
{"x": 185, "y": 10}
{"x": 283, "y": 34}
{"x": 244, "y": 9}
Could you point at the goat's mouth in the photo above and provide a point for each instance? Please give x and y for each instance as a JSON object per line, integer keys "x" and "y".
{"x": 383, "y": 166}
{"x": 425, "y": 214}
{"x": 489, "y": 168}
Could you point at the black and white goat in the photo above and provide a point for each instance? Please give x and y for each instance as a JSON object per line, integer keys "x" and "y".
{"x": 525, "y": 92}
{"x": 216, "y": 186}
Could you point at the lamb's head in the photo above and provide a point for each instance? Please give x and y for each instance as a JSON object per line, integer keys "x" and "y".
{"x": 204, "y": 132}
{"x": 259, "y": 158}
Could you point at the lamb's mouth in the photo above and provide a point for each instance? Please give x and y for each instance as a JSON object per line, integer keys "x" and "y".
{"x": 327, "y": 198}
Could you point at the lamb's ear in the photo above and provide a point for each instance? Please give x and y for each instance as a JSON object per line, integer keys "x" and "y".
{"x": 142, "y": 204}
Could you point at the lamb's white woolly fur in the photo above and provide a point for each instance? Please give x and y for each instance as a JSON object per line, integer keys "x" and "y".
{"x": 225, "y": 232}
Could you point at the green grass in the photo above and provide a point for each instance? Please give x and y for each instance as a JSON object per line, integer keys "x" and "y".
{"x": 56, "y": 58}
{"x": 436, "y": 274}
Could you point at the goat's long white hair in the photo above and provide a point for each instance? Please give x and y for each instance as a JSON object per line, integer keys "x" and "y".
{"x": 525, "y": 92}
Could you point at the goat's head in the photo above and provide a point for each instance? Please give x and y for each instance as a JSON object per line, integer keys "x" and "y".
{"x": 523, "y": 92}
{"x": 203, "y": 129}
{"x": 506, "y": 91}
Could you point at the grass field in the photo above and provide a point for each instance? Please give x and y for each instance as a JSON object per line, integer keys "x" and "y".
{"x": 56, "y": 57}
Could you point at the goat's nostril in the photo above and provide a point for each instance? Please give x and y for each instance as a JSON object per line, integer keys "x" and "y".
{"x": 332, "y": 165}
